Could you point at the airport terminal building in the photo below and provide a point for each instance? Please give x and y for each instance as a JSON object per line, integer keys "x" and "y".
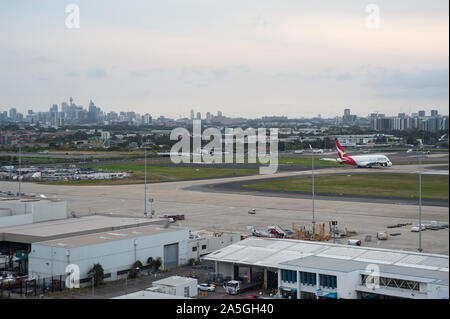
{"x": 310, "y": 270}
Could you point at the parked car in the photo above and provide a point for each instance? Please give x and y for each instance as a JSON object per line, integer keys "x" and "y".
{"x": 252, "y": 211}
{"x": 206, "y": 287}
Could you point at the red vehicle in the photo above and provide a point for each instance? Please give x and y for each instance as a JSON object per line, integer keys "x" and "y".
{"x": 10, "y": 283}
{"x": 175, "y": 217}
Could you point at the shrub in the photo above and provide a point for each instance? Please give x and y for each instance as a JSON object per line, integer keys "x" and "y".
{"x": 157, "y": 263}
{"x": 191, "y": 262}
{"x": 138, "y": 264}
{"x": 98, "y": 274}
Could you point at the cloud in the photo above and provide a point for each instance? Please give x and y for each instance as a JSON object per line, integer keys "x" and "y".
{"x": 344, "y": 77}
{"x": 279, "y": 75}
{"x": 261, "y": 21}
{"x": 73, "y": 73}
{"x": 416, "y": 79}
{"x": 144, "y": 73}
{"x": 243, "y": 68}
{"x": 408, "y": 84}
{"x": 42, "y": 59}
{"x": 97, "y": 72}
{"x": 202, "y": 76}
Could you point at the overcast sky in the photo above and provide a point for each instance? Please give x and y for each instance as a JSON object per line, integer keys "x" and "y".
{"x": 244, "y": 57}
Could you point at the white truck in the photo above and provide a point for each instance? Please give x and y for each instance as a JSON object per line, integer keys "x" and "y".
{"x": 234, "y": 287}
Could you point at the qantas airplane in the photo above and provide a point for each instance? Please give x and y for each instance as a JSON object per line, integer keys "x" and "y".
{"x": 359, "y": 160}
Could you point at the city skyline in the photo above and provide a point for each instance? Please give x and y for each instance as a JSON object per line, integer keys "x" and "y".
{"x": 194, "y": 114}
{"x": 307, "y": 60}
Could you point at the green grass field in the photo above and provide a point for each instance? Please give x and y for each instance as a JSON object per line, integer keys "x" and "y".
{"x": 389, "y": 185}
{"x": 159, "y": 174}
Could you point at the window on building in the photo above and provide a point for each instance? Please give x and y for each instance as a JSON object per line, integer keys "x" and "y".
{"x": 194, "y": 248}
{"x": 203, "y": 247}
{"x": 328, "y": 281}
{"x": 289, "y": 276}
{"x": 391, "y": 282}
{"x": 308, "y": 278}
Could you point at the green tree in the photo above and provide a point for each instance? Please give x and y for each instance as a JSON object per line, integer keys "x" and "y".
{"x": 98, "y": 274}
{"x": 138, "y": 264}
{"x": 157, "y": 264}
{"x": 150, "y": 262}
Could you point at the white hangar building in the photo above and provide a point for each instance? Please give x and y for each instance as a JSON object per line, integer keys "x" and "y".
{"x": 115, "y": 250}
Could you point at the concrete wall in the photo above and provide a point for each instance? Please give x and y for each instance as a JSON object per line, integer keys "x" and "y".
{"x": 212, "y": 244}
{"x": 49, "y": 211}
{"x": 226, "y": 269}
{"x": 346, "y": 283}
{"x": 179, "y": 289}
{"x": 5, "y": 212}
{"x": 112, "y": 255}
{"x": 436, "y": 291}
{"x": 22, "y": 213}
{"x": 23, "y": 219}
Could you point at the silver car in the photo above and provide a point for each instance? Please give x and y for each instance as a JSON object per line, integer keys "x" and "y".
{"x": 206, "y": 287}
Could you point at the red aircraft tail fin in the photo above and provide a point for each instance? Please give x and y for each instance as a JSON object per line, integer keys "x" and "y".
{"x": 341, "y": 151}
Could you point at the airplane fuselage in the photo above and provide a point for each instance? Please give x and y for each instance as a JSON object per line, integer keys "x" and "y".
{"x": 366, "y": 160}
{"x": 361, "y": 160}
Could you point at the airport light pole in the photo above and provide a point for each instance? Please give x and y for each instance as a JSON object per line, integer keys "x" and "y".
{"x": 312, "y": 175}
{"x": 145, "y": 181}
{"x": 334, "y": 223}
{"x": 20, "y": 171}
{"x": 420, "y": 197}
{"x": 151, "y": 207}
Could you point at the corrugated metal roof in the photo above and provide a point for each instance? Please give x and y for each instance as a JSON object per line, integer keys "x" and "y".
{"x": 271, "y": 252}
{"x": 62, "y": 228}
{"x": 341, "y": 252}
{"x": 382, "y": 257}
{"x": 84, "y": 240}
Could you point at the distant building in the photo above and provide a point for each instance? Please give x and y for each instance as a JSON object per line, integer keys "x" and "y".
{"x": 348, "y": 118}
{"x": 199, "y": 116}
{"x": 434, "y": 113}
{"x": 12, "y": 113}
{"x": 421, "y": 113}
{"x": 431, "y": 124}
{"x": 192, "y": 114}
{"x": 147, "y": 119}
{"x": 105, "y": 135}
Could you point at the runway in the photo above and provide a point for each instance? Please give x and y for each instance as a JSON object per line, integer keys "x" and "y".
{"x": 219, "y": 211}
{"x": 236, "y": 187}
